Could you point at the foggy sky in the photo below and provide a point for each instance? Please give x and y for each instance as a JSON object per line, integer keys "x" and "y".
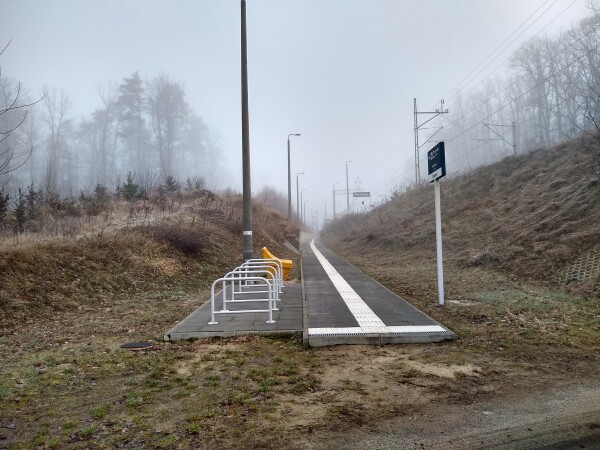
{"x": 341, "y": 72}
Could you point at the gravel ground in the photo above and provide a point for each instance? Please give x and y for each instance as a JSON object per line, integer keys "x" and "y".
{"x": 568, "y": 417}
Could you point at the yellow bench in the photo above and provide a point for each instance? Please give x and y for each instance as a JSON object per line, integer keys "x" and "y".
{"x": 286, "y": 264}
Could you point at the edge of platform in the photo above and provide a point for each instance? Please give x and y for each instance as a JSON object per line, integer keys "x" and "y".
{"x": 305, "y": 337}
{"x": 183, "y": 335}
{"x": 379, "y": 339}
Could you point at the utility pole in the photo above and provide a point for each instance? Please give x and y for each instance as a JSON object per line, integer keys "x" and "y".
{"x": 333, "y": 190}
{"x": 302, "y": 203}
{"x": 247, "y": 187}
{"x": 325, "y": 215}
{"x": 347, "y": 189}
{"x": 298, "y": 196}
{"x": 514, "y": 134}
{"x": 416, "y": 113}
{"x": 513, "y": 126}
{"x": 290, "y": 176}
{"x": 304, "y": 212}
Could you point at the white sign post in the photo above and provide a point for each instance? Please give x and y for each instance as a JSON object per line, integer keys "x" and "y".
{"x": 436, "y": 168}
{"x": 438, "y": 242}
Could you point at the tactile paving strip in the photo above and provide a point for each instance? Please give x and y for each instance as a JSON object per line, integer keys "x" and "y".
{"x": 364, "y": 315}
{"x": 368, "y": 321}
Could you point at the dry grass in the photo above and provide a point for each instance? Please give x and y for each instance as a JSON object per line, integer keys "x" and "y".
{"x": 127, "y": 256}
{"x": 507, "y": 228}
{"x": 67, "y": 302}
{"x": 65, "y": 383}
{"x": 70, "y": 302}
{"x": 526, "y": 216}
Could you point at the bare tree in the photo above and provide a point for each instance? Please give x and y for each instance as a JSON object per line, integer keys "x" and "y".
{"x": 168, "y": 110}
{"x": 13, "y": 113}
{"x": 107, "y": 120}
{"x": 57, "y": 105}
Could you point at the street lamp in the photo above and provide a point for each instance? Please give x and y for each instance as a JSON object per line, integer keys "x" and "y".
{"x": 303, "y": 210}
{"x": 290, "y": 177}
{"x": 246, "y": 182}
{"x": 298, "y": 196}
{"x": 347, "y": 189}
{"x": 333, "y": 191}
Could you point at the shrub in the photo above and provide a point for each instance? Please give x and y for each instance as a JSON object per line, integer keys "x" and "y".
{"x": 130, "y": 189}
{"x": 185, "y": 241}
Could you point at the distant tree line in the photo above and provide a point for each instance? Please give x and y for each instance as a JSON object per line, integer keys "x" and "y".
{"x": 34, "y": 211}
{"x": 552, "y": 93}
{"x": 142, "y": 133}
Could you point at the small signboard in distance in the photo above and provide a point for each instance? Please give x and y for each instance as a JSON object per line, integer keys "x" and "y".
{"x": 361, "y": 194}
{"x": 436, "y": 162}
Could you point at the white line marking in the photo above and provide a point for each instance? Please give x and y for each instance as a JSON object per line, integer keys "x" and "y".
{"x": 366, "y": 318}
{"x": 368, "y": 321}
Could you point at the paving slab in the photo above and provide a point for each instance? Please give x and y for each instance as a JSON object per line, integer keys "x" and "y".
{"x": 288, "y": 318}
{"x": 345, "y": 306}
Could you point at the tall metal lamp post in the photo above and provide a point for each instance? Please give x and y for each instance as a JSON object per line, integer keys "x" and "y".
{"x": 247, "y": 188}
{"x": 347, "y": 189}
{"x": 333, "y": 199}
{"x": 290, "y": 176}
{"x": 303, "y": 207}
{"x": 298, "y": 196}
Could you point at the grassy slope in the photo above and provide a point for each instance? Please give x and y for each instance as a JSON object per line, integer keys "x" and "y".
{"x": 67, "y": 304}
{"x": 526, "y": 216}
{"x": 64, "y": 382}
{"x": 507, "y": 228}
{"x": 185, "y": 250}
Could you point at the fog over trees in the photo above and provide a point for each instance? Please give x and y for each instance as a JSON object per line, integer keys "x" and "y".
{"x": 143, "y": 128}
{"x": 552, "y": 93}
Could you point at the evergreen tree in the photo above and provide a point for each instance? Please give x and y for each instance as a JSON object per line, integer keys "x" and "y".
{"x": 19, "y": 212}
{"x": 133, "y": 126}
{"x": 171, "y": 185}
{"x": 31, "y": 199}
{"x": 130, "y": 189}
{"x": 4, "y": 199}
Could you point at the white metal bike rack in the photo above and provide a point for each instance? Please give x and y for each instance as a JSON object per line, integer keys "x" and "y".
{"x": 241, "y": 273}
{"x": 253, "y": 273}
{"x": 277, "y": 262}
{"x": 273, "y": 271}
{"x": 232, "y": 279}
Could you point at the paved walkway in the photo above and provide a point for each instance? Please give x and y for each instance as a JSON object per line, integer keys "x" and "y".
{"x": 335, "y": 304}
{"x": 344, "y": 306}
{"x": 288, "y": 319}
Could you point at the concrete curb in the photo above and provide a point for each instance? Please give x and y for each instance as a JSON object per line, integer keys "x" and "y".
{"x": 304, "y": 308}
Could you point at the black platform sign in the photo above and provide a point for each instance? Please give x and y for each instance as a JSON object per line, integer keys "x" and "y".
{"x": 436, "y": 162}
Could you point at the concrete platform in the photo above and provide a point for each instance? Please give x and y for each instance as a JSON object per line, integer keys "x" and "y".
{"x": 288, "y": 318}
{"x": 345, "y": 306}
{"x": 335, "y": 304}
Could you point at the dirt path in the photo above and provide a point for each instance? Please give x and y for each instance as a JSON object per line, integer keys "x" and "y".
{"x": 564, "y": 418}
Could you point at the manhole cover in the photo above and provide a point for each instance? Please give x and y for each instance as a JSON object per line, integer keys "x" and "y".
{"x": 137, "y": 345}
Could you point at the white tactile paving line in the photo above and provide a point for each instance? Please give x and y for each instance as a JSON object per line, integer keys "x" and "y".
{"x": 368, "y": 321}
